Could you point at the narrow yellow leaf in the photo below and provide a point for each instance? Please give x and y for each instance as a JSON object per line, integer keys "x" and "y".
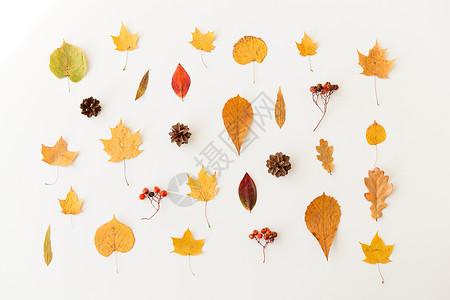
{"x": 48, "y": 254}
{"x": 280, "y": 109}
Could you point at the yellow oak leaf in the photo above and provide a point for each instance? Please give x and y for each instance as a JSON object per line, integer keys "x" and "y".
{"x": 48, "y": 254}
{"x": 377, "y": 252}
{"x": 125, "y": 41}
{"x": 379, "y": 190}
{"x": 375, "y": 134}
{"x": 202, "y": 41}
{"x": 375, "y": 64}
{"x": 71, "y": 205}
{"x": 325, "y": 155}
{"x": 187, "y": 245}
{"x": 113, "y": 236}
{"x": 58, "y": 155}
{"x": 307, "y": 47}
{"x": 204, "y": 188}
{"x": 123, "y": 144}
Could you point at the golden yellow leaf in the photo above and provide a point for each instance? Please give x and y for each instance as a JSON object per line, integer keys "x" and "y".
{"x": 375, "y": 134}
{"x": 379, "y": 190}
{"x": 71, "y": 205}
{"x": 204, "y": 188}
{"x": 113, "y": 236}
{"x": 125, "y": 41}
{"x": 58, "y": 155}
{"x": 142, "y": 86}
{"x": 375, "y": 63}
{"x": 248, "y": 49}
{"x": 307, "y": 47}
{"x": 322, "y": 219}
{"x": 187, "y": 245}
{"x": 202, "y": 41}
{"x": 123, "y": 144}
{"x": 377, "y": 252}
{"x": 48, "y": 254}
{"x": 280, "y": 109}
{"x": 325, "y": 155}
{"x": 237, "y": 115}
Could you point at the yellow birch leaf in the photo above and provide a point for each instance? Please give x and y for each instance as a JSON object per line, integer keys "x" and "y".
{"x": 113, "y": 236}
{"x": 307, "y": 47}
{"x": 249, "y": 49}
{"x": 48, "y": 254}
{"x": 280, "y": 109}
{"x": 377, "y": 252}
{"x": 375, "y": 134}
{"x": 375, "y": 64}
{"x": 237, "y": 115}
{"x": 202, "y": 41}
{"x": 125, "y": 41}
{"x": 325, "y": 155}
{"x": 71, "y": 205}
{"x": 379, "y": 190}
{"x": 123, "y": 144}
{"x": 58, "y": 155}
{"x": 187, "y": 245}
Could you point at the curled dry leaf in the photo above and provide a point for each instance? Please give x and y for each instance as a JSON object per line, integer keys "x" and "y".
{"x": 280, "y": 109}
{"x": 322, "y": 219}
{"x": 68, "y": 61}
{"x": 48, "y": 254}
{"x": 142, "y": 86}
{"x": 325, "y": 155}
{"x": 237, "y": 115}
{"x": 187, "y": 246}
{"x": 379, "y": 190}
{"x": 71, "y": 205}
{"x": 181, "y": 82}
{"x": 58, "y": 155}
{"x": 247, "y": 192}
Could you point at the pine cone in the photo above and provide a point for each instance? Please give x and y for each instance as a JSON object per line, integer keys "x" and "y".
{"x": 180, "y": 134}
{"x": 278, "y": 164}
{"x": 90, "y": 107}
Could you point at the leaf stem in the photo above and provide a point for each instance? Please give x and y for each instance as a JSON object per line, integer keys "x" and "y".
{"x": 375, "y": 84}
{"x": 190, "y": 267}
{"x": 309, "y": 59}
{"x": 125, "y": 172}
{"x": 382, "y": 278}
{"x": 57, "y": 176}
{"x": 376, "y": 155}
{"x": 126, "y": 61}
{"x": 201, "y": 56}
{"x": 206, "y": 216}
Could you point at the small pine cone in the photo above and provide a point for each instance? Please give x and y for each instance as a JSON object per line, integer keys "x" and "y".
{"x": 278, "y": 164}
{"x": 180, "y": 134}
{"x": 90, "y": 107}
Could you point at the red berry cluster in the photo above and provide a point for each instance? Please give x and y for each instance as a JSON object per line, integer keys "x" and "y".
{"x": 322, "y": 93}
{"x": 323, "y": 89}
{"x": 265, "y": 234}
{"x": 155, "y": 198}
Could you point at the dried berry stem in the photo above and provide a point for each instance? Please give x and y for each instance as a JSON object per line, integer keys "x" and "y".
{"x": 309, "y": 59}
{"x": 157, "y": 198}
{"x": 206, "y": 216}
{"x": 382, "y": 278}
{"x": 375, "y": 84}
{"x": 190, "y": 267}
{"x": 201, "y": 56}
{"x": 57, "y": 176}
{"x": 126, "y": 61}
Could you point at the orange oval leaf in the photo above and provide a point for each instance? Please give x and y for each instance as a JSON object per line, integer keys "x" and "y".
{"x": 237, "y": 115}
{"x": 181, "y": 82}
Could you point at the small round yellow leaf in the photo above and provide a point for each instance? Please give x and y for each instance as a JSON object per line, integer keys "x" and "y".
{"x": 375, "y": 134}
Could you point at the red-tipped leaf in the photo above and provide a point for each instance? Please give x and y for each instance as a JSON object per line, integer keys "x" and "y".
{"x": 181, "y": 82}
{"x": 247, "y": 192}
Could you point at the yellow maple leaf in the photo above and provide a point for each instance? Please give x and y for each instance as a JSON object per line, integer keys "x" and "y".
{"x": 307, "y": 47}
{"x": 377, "y": 252}
{"x": 375, "y": 63}
{"x": 325, "y": 155}
{"x": 123, "y": 144}
{"x": 202, "y": 41}
{"x": 71, "y": 205}
{"x": 58, "y": 155}
{"x": 187, "y": 246}
{"x": 125, "y": 41}
{"x": 204, "y": 188}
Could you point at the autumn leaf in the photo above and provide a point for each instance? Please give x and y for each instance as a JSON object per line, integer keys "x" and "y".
{"x": 113, "y": 236}
{"x": 377, "y": 252}
{"x": 58, "y": 155}
{"x": 375, "y": 64}
{"x": 187, "y": 246}
{"x": 249, "y": 49}
{"x": 375, "y": 134}
{"x": 122, "y": 145}
{"x": 325, "y": 155}
{"x": 142, "y": 86}
{"x": 247, "y": 192}
{"x": 237, "y": 115}
{"x": 68, "y": 61}
{"x": 125, "y": 41}
{"x": 202, "y": 42}
{"x": 181, "y": 82}
{"x": 204, "y": 188}
{"x": 379, "y": 190}
{"x": 322, "y": 219}
{"x": 48, "y": 254}
{"x": 71, "y": 205}
{"x": 307, "y": 48}
{"x": 280, "y": 109}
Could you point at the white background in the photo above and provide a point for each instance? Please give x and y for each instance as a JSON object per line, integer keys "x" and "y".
{"x": 37, "y": 108}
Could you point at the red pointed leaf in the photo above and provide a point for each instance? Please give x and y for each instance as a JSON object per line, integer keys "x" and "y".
{"x": 180, "y": 82}
{"x": 247, "y": 192}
